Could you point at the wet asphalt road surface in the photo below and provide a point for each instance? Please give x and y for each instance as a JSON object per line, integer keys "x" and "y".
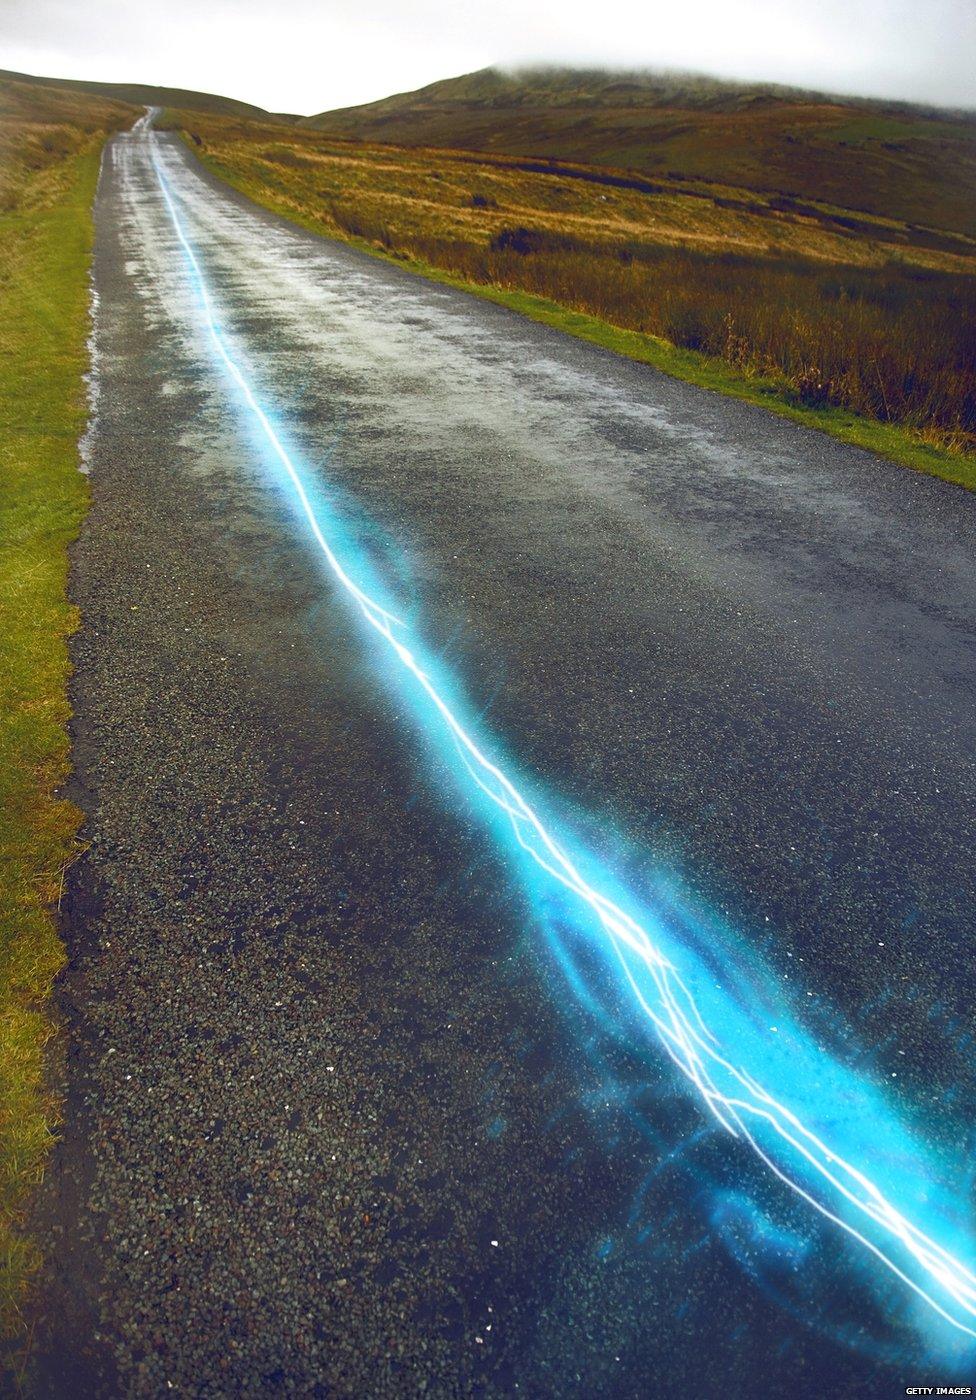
{"x": 331, "y": 1126}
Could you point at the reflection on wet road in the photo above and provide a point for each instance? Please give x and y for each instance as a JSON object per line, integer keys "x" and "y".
{"x": 736, "y": 660}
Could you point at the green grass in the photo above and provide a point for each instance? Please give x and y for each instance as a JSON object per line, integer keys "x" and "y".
{"x": 870, "y": 128}
{"x": 897, "y": 444}
{"x": 44, "y": 325}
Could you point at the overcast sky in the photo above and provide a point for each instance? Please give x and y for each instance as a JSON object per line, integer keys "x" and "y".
{"x": 310, "y": 55}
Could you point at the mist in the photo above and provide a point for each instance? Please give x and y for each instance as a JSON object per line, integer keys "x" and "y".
{"x": 300, "y": 56}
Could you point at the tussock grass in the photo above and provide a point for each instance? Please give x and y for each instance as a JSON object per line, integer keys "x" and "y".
{"x": 50, "y": 162}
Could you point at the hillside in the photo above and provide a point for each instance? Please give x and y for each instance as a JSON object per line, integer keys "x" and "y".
{"x": 43, "y": 125}
{"x": 145, "y": 95}
{"x": 889, "y": 159}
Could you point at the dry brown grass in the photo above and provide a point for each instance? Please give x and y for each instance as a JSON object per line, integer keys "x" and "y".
{"x": 42, "y": 128}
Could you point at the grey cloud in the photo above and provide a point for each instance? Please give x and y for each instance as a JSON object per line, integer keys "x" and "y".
{"x": 307, "y": 55}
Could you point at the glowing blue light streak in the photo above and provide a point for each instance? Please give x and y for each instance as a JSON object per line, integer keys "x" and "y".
{"x": 841, "y": 1192}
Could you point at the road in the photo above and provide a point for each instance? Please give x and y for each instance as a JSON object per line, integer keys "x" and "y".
{"x": 337, "y": 1121}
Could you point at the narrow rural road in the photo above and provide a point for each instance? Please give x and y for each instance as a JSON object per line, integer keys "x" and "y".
{"x": 340, "y": 1119}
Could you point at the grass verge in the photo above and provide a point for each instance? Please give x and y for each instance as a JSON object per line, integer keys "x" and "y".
{"x": 44, "y": 324}
{"x": 899, "y": 444}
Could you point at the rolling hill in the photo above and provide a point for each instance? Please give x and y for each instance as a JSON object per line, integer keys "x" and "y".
{"x": 890, "y": 159}
{"x": 145, "y": 95}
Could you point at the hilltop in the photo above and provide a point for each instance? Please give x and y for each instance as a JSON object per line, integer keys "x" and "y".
{"x": 885, "y": 158}
{"x": 145, "y": 95}
{"x": 580, "y": 87}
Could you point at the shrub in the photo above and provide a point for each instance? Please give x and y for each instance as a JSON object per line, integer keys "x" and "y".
{"x": 812, "y": 388}
{"x": 518, "y": 240}
{"x": 687, "y": 327}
